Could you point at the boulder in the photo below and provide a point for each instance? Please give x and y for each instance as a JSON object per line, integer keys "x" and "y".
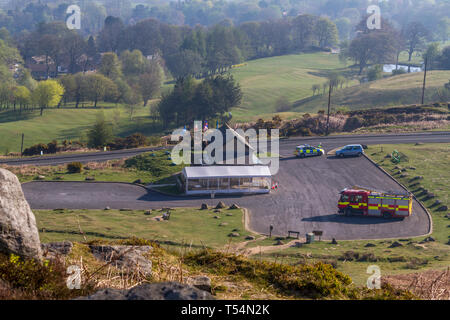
{"x": 279, "y": 243}
{"x": 57, "y": 248}
{"x": 222, "y": 224}
{"x": 89, "y": 179}
{"x": 152, "y": 291}
{"x": 148, "y": 212}
{"x": 200, "y": 282}
{"x": 234, "y": 234}
{"x": 18, "y": 231}
{"x": 138, "y": 181}
{"x": 234, "y": 206}
{"x": 217, "y": 210}
{"x": 40, "y": 177}
{"x": 333, "y": 241}
{"x": 429, "y": 239}
{"x": 220, "y": 205}
{"x": 127, "y": 258}
{"x": 216, "y": 217}
{"x": 395, "y": 244}
{"x": 249, "y": 238}
{"x": 204, "y": 206}
{"x": 229, "y": 214}
{"x": 368, "y": 245}
{"x": 107, "y": 208}
{"x": 442, "y": 208}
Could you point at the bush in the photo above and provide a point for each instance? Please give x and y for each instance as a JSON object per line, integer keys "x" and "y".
{"x": 282, "y": 104}
{"x": 30, "y": 279}
{"x": 134, "y": 141}
{"x": 398, "y": 72}
{"x": 74, "y": 167}
{"x": 375, "y": 73}
{"x": 353, "y": 123}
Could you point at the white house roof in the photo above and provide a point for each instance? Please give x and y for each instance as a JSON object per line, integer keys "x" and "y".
{"x": 226, "y": 171}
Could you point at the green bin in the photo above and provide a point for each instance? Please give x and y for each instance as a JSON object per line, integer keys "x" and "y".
{"x": 310, "y": 237}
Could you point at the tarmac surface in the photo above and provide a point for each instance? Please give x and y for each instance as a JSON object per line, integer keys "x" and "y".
{"x": 306, "y": 198}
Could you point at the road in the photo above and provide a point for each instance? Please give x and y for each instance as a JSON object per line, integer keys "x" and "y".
{"x": 285, "y": 144}
{"x": 306, "y": 198}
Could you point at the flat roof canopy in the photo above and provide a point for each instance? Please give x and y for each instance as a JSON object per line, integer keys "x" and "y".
{"x": 226, "y": 171}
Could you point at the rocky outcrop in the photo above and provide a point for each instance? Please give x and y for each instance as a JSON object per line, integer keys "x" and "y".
{"x": 200, "y": 282}
{"x": 18, "y": 231}
{"x": 127, "y": 258}
{"x": 152, "y": 291}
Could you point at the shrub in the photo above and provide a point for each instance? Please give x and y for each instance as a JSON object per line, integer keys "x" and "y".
{"x": 74, "y": 167}
{"x": 398, "y": 72}
{"x": 375, "y": 73}
{"x": 353, "y": 123}
{"x": 36, "y": 150}
{"x": 30, "y": 279}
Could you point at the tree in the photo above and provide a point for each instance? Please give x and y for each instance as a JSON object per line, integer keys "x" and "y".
{"x": 100, "y": 134}
{"x": 373, "y": 47}
{"x": 97, "y": 87}
{"x": 431, "y": 55}
{"x": 133, "y": 63}
{"x": 47, "y": 94}
{"x": 415, "y": 37}
{"x": 22, "y": 97}
{"x": 149, "y": 83}
{"x": 184, "y": 63}
{"x": 109, "y": 36}
{"x": 344, "y": 27}
{"x": 326, "y": 33}
{"x": 110, "y": 66}
{"x": 443, "y": 29}
{"x": 444, "y": 58}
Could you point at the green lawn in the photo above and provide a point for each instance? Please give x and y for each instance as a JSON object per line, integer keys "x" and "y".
{"x": 190, "y": 226}
{"x": 156, "y": 169}
{"x": 263, "y": 81}
{"x": 68, "y": 123}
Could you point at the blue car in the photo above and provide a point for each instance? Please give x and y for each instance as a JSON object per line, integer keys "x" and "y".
{"x": 350, "y": 150}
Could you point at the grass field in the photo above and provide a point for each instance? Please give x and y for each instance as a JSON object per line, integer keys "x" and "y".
{"x": 68, "y": 123}
{"x": 263, "y": 81}
{"x": 390, "y": 91}
{"x": 156, "y": 169}
{"x": 186, "y": 226}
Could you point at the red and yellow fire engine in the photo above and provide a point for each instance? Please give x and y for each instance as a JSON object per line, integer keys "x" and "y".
{"x": 366, "y": 202}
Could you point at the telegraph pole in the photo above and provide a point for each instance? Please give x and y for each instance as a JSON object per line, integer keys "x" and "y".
{"x": 21, "y": 146}
{"x": 424, "y": 79}
{"x": 329, "y": 104}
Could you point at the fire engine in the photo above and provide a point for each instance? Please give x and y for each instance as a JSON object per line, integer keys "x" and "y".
{"x": 367, "y": 202}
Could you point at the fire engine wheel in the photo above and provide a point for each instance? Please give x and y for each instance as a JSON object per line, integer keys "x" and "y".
{"x": 319, "y": 153}
{"x": 386, "y": 215}
{"x": 302, "y": 155}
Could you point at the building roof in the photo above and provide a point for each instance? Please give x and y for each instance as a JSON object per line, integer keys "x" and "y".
{"x": 226, "y": 171}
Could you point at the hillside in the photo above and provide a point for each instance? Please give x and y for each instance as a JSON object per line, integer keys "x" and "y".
{"x": 264, "y": 81}
{"x": 398, "y": 90}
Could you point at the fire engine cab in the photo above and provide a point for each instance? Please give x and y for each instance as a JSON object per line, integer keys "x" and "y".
{"x": 366, "y": 202}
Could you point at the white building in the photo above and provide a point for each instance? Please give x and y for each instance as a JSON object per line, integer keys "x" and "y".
{"x": 226, "y": 179}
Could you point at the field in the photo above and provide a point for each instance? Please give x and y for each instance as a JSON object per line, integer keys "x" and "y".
{"x": 68, "y": 123}
{"x": 157, "y": 169}
{"x": 186, "y": 226}
{"x": 390, "y": 91}
{"x": 264, "y": 81}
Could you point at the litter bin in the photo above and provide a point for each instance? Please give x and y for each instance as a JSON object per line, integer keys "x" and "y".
{"x": 310, "y": 237}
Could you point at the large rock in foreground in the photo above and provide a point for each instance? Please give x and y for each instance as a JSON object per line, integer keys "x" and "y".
{"x": 152, "y": 291}
{"x": 18, "y": 231}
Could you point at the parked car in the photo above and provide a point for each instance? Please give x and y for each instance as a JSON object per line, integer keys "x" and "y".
{"x": 305, "y": 150}
{"x": 350, "y": 150}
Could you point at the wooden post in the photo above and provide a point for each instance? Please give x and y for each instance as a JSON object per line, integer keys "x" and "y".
{"x": 424, "y": 79}
{"x": 329, "y": 104}
{"x": 21, "y": 147}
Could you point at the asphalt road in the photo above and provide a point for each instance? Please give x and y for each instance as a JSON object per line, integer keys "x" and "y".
{"x": 306, "y": 198}
{"x": 286, "y": 145}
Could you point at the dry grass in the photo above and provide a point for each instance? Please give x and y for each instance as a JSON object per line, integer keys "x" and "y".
{"x": 429, "y": 285}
